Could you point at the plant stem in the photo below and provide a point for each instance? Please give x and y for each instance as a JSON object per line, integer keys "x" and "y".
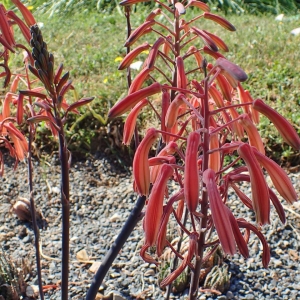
{"x": 65, "y": 194}
{"x": 133, "y": 219}
{"x": 128, "y": 76}
{"x": 175, "y": 260}
{"x": 33, "y": 216}
{"x": 204, "y": 203}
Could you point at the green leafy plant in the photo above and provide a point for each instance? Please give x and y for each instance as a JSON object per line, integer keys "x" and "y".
{"x": 206, "y": 143}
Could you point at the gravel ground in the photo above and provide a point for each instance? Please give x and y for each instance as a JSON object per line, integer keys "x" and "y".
{"x": 101, "y": 199}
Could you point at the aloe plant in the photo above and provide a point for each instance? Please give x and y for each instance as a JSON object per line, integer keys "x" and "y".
{"x": 42, "y": 100}
{"x": 207, "y": 141}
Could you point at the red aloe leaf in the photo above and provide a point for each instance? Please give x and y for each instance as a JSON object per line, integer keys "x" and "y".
{"x": 237, "y": 127}
{"x": 5, "y": 28}
{"x": 279, "y": 177}
{"x": 27, "y": 15}
{"x": 159, "y": 160}
{"x": 41, "y": 118}
{"x": 219, "y": 213}
{"x": 20, "y": 109}
{"x": 32, "y": 93}
{"x": 244, "y": 198}
{"x": 141, "y": 171}
{"x": 138, "y": 32}
{"x": 161, "y": 237}
{"x": 213, "y": 54}
{"x": 224, "y": 87}
{"x": 181, "y": 77}
{"x": 169, "y": 149}
{"x": 132, "y": 99}
{"x": 139, "y": 80}
{"x": 278, "y": 206}
{"x": 154, "y": 209}
{"x": 153, "y": 14}
{"x": 266, "y": 250}
{"x": 13, "y": 130}
{"x": 253, "y": 134}
{"x": 19, "y": 147}
{"x": 219, "y": 42}
{"x": 24, "y": 29}
{"x": 240, "y": 241}
{"x": 172, "y": 112}
{"x": 191, "y": 172}
{"x": 285, "y": 129}
{"x": 44, "y": 105}
{"x": 259, "y": 188}
{"x": 220, "y": 20}
{"x": 130, "y": 122}
{"x": 153, "y": 52}
{"x": 14, "y": 84}
{"x": 81, "y": 102}
{"x": 243, "y": 98}
{"x": 232, "y": 69}
{"x": 206, "y": 38}
{"x": 165, "y": 103}
{"x": 130, "y": 2}
{"x": 214, "y": 159}
{"x": 6, "y": 44}
{"x": 128, "y": 59}
{"x": 203, "y": 6}
{"x": 6, "y": 105}
{"x": 197, "y": 54}
{"x": 192, "y": 250}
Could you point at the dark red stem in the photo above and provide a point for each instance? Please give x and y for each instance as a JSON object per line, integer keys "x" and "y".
{"x": 204, "y": 203}
{"x": 33, "y": 216}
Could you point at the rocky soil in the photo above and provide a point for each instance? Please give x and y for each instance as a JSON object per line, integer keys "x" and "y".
{"x": 101, "y": 199}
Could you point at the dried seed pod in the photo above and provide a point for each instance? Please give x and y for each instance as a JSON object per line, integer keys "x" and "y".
{"x": 22, "y": 209}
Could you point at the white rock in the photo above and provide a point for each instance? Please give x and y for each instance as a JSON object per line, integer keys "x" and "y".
{"x": 32, "y": 291}
{"x": 136, "y": 65}
{"x": 295, "y": 31}
{"x": 279, "y": 17}
{"x": 55, "y": 190}
{"x": 95, "y": 266}
{"x": 115, "y": 217}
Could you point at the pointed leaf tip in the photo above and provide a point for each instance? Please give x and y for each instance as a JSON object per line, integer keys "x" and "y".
{"x": 130, "y": 2}
{"x": 220, "y": 20}
{"x": 234, "y": 70}
{"x": 198, "y": 4}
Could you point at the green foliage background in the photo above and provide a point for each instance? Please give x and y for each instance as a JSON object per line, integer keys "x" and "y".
{"x": 227, "y": 6}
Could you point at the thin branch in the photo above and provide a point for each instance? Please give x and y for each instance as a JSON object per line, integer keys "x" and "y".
{"x": 33, "y": 216}
{"x": 133, "y": 219}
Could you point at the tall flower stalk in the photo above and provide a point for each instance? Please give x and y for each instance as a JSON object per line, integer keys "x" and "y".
{"x": 44, "y": 99}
